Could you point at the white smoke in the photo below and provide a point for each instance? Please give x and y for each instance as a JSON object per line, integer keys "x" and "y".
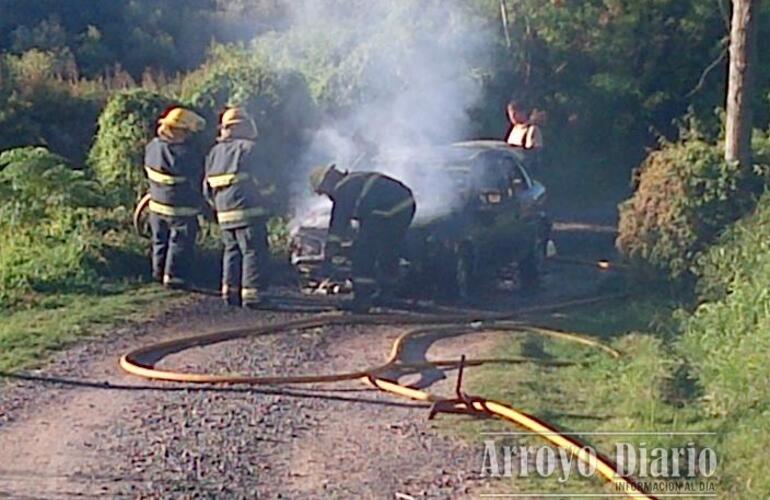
{"x": 408, "y": 74}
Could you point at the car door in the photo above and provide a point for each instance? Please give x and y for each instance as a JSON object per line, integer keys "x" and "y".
{"x": 528, "y": 192}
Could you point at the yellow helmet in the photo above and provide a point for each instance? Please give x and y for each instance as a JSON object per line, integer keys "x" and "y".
{"x": 231, "y": 116}
{"x": 318, "y": 176}
{"x": 183, "y": 118}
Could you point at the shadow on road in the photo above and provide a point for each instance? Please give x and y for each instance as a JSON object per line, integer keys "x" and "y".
{"x": 270, "y": 391}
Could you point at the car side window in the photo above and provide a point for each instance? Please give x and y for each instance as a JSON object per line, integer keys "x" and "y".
{"x": 497, "y": 171}
{"x": 519, "y": 180}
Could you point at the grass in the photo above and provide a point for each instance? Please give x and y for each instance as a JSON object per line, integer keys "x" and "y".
{"x": 643, "y": 391}
{"x": 699, "y": 369}
{"x": 28, "y": 337}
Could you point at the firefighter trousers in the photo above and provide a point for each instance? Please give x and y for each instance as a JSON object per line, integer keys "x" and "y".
{"x": 376, "y": 252}
{"x": 173, "y": 248}
{"x": 244, "y": 262}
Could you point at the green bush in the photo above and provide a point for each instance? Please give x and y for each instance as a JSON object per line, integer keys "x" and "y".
{"x": 117, "y": 156}
{"x": 728, "y": 338}
{"x": 36, "y": 183}
{"x": 742, "y": 454}
{"x": 53, "y": 255}
{"x": 56, "y": 234}
{"x": 736, "y": 257}
{"x": 726, "y": 341}
{"x": 49, "y": 239}
{"x": 686, "y": 195}
{"x": 279, "y": 102}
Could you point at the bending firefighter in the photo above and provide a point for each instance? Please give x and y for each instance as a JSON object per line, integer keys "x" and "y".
{"x": 384, "y": 208}
{"x": 236, "y": 184}
{"x": 174, "y": 168}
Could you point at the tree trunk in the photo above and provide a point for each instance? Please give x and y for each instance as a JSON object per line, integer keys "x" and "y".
{"x": 742, "y": 52}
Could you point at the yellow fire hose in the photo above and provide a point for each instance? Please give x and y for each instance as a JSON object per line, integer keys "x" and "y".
{"x": 374, "y": 376}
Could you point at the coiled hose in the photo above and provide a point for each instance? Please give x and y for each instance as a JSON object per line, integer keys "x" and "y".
{"x": 376, "y": 376}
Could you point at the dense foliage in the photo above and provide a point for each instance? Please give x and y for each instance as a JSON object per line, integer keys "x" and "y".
{"x": 610, "y": 71}
{"x": 49, "y": 239}
{"x": 127, "y": 123}
{"x": 279, "y": 101}
{"x": 36, "y": 183}
{"x": 40, "y": 104}
{"x": 606, "y": 72}
{"x": 726, "y": 341}
{"x": 730, "y": 334}
{"x": 687, "y": 193}
{"x": 132, "y": 34}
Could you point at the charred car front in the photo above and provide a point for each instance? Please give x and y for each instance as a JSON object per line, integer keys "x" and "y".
{"x": 478, "y": 212}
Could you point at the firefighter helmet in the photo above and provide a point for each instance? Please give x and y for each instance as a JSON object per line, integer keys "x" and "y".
{"x": 318, "y": 176}
{"x": 183, "y": 118}
{"x": 231, "y": 116}
{"x": 235, "y": 116}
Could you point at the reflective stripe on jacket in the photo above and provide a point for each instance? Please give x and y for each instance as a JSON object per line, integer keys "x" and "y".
{"x": 162, "y": 178}
{"x": 174, "y": 171}
{"x": 236, "y": 183}
{"x": 360, "y": 195}
{"x": 172, "y": 210}
{"x": 235, "y": 216}
{"x": 225, "y": 180}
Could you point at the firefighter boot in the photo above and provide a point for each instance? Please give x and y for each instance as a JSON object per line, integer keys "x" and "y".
{"x": 252, "y": 299}
{"x": 363, "y": 293}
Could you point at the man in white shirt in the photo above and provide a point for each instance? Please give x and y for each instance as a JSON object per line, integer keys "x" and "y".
{"x": 525, "y": 134}
{"x": 522, "y": 132}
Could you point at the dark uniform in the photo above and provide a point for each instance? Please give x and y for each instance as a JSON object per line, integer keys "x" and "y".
{"x": 175, "y": 171}
{"x": 239, "y": 190}
{"x": 384, "y": 208}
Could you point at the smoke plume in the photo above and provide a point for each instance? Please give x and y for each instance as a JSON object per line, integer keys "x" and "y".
{"x": 405, "y": 76}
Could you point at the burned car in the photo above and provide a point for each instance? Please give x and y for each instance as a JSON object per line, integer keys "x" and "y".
{"x": 478, "y": 213}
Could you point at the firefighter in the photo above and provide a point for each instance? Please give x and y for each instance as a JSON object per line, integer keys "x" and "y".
{"x": 238, "y": 186}
{"x": 384, "y": 208}
{"x": 174, "y": 168}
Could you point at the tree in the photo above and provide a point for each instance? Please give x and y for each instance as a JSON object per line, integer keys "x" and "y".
{"x": 742, "y": 55}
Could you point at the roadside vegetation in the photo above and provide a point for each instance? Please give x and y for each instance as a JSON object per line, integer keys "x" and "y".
{"x": 638, "y": 392}
{"x": 29, "y": 336}
{"x": 694, "y": 334}
{"x": 81, "y": 89}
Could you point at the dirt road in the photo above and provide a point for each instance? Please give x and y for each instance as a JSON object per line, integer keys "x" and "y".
{"x": 124, "y": 437}
{"x": 79, "y": 427}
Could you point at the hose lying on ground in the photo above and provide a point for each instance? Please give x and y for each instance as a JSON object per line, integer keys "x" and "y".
{"x": 376, "y": 376}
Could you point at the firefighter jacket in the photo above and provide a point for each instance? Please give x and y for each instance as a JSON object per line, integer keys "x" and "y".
{"x": 362, "y": 196}
{"x": 174, "y": 171}
{"x": 236, "y": 183}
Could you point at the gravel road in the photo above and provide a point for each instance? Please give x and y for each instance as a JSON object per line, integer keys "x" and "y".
{"x": 80, "y": 427}
{"x": 123, "y": 437}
